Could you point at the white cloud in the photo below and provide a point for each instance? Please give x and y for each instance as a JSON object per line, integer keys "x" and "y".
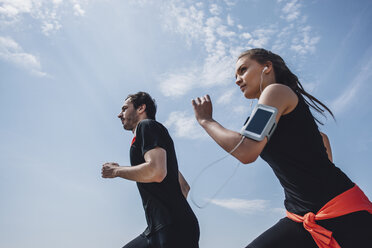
{"x": 211, "y": 31}
{"x": 12, "y": 8}
{"x": 291, "y": 11}
{"x": 78, "y": 11}
{"x": 280, "y": 211}
{"x": 185, "y": 125}
{"x": 223, "y": 32}
{"x": 246, "y": 35}
{"x": 305, "y": 43}
{"x": 241, "y": 110}
{"x": 218, "y": 65}
{"x": 187, "y": 21}
{"x": 12, "y": 52}
{"x": 48, "y": 13}
{"x": 242, "y": 205}
{"x": 261, "y": 37}
{"x": 310, "y": 87}
{"x": 235, "y": 52}
{"x": 223, "y": 41}
{"x": 49, "y": 27}
{"x": 215, "y": 9}
{"x": 230, "y": 21}
{"x": 351, "y": 93}
{"x": 281, "y": 41}
{"x": 8, "y": 44}
{"x": 217, "y": 70}
{"x": 178, "y": 84}
{"x": 142, "y": 3}
{"x": 230, "y": 3}
{"x": 226, "y": 97}
{"x": 339, "y": 105}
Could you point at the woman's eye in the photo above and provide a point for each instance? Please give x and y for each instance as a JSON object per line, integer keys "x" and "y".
{"x": 243, "y": 69}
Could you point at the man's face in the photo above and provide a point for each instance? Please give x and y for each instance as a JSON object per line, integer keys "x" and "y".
{"x": 128, "y": 115}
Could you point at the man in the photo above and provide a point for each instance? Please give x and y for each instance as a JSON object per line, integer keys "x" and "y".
{"x": 171, "y": 221}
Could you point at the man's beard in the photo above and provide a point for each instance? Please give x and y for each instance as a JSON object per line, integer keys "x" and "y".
{"x": 131, "y": 123}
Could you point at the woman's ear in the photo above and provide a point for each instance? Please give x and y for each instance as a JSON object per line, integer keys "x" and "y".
{"x": 268, "y": 67}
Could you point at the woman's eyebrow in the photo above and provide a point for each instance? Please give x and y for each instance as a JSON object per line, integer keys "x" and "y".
{"x": 237, "y": 71}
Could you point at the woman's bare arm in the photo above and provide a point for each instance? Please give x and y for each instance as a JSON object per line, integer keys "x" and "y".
{"x": 185, "y": 187}
{"x": 279, "y": 96}
{"x": 327, "y": 146}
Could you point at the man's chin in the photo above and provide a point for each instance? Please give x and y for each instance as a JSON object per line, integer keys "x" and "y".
{"x": 126, "y": 127}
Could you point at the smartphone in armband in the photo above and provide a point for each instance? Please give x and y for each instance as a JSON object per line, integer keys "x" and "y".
{"x": 261, "y": 123}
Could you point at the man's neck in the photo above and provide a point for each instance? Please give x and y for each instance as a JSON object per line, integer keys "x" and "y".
{"x": 139, "y": 120}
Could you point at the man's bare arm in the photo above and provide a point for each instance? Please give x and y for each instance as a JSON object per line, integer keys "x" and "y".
{"x": 153, "y": 170}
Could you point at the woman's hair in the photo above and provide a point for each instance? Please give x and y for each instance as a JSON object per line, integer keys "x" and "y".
{"x": 144, "y": 98}
{"x": 284, "y": 76}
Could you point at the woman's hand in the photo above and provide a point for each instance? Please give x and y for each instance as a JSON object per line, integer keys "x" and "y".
{"x": 202, "y": 108}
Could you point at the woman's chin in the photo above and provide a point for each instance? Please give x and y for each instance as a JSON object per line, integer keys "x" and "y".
{"x": 248, "y": 95}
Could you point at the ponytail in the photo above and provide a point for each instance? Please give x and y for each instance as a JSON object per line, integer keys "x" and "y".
{"x": 284, "y": 76}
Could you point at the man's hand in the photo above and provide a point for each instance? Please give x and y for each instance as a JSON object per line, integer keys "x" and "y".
{"x": 109, "y": 170}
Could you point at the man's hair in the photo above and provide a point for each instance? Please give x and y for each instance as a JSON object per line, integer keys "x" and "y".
{"x": 141, "y": 98}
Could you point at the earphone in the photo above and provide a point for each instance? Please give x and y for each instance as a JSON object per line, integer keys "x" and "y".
{"x": 264, "y": 69}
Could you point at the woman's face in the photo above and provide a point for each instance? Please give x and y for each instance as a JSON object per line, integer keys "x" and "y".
{"x": 248, "y": 76}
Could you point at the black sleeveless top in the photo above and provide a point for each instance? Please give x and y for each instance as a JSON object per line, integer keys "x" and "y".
{"x": 298, "y": 157}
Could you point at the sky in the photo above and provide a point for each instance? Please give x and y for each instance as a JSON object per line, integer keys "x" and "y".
{"x": 67, "y": 66}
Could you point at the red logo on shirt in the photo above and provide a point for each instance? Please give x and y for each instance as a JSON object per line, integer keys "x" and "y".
{"x": 133, "y": 140}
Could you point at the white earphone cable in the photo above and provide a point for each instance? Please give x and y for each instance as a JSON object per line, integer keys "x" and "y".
{"x": 222, "y": 186}
{"x": 262, "y": 79}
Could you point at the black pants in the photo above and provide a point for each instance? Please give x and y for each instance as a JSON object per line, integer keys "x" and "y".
{"x": 171, "y": 236}
{"x": 350, "y": 231}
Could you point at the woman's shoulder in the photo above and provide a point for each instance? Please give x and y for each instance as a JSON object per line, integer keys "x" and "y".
{"x": 280, "y": 96}
{"x": 280, "y": 89}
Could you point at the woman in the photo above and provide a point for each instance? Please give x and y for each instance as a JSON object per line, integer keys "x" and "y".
{"x": 315, "y": 189}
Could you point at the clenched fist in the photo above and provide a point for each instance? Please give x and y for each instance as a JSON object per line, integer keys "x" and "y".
{"x": 109, "y": 170}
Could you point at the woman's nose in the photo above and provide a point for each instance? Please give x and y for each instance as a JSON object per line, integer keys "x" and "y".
{"x": 238, "y": 81}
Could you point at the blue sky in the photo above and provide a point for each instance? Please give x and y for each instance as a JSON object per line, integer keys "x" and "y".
{"x": 66, "y": 67}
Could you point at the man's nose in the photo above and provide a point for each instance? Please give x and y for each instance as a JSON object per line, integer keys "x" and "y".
{"x": 120, "y": 115}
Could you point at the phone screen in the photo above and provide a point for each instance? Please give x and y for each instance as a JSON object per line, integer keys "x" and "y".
{"x": 259, "y": 121}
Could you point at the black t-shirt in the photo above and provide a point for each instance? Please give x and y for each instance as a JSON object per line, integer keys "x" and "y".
{"x": 163, "y": 202}
{"x": 299, "y": 159}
